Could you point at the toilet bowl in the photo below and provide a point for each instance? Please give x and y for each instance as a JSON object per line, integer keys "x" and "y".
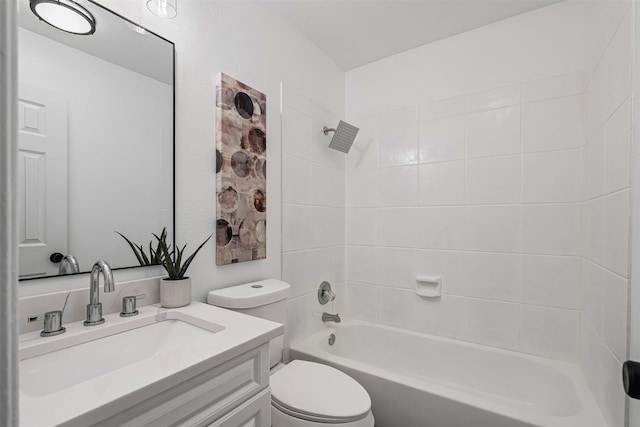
{"x": 303, "y": 394}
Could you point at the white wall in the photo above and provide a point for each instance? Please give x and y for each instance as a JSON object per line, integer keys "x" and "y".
{"x": 469, "y": 168}
{"x": 256, "y": 46}
{"x": 109, "y": 167}
{"x": 606, "y": 214}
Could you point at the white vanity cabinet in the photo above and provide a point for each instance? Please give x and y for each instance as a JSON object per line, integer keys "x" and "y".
{"x": 233, "y": 394}
{"x": 193, "y": 366}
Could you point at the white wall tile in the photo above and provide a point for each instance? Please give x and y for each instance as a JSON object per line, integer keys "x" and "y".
{"x": 553, "y": 87}
{"x": 491, "y": 276}
{"x": 364, "y": 151}
{"x": 595, "y": 220}
{"x": 443, "y": 108}
{"x": 614, "y": 303}
{"x": 491, "y": 322}
{"x": 552, "y": 177}
{"x": 550, "y": 332}
{"x": 398, "y": 227}
{"x": 442, "y": 184}
{"x": 327, "y": 226}
{"x": 362, "y": 226}
{"x": 494, "y": 132}
{"x": 494, "y": 180}
{"x": 594, "y": 170}
{"x": 596, "y": 100}
{"x": 616, "y": 233}
{"x": 493, "y": 228}
{"x": 551, "y": 281}
{"x": 399, "y": 186}
{"x": 618, "y": 61}
{"x": 296, "y": 133}
{"x": 441, "y": 316}
{"x": 397, "y": 307}
{"x": 449, "y": 265}
{"x": 296, "y": 227}
{"x": 398, "y": 146}
{"x": 592, "y": 294}
{"x": 602, "y": 371}
{"x": 297, "y": 271}
{"x": 551, "y": 229}
{"x": 362, "y": 264}
{"x": 328, "y": 186}
{"x": 327, "y": 265}
{"x": 618, "y": 149}
{"x": 362, "y": 301}
{"x": 362, "y": 189}
{"x": 397, "y": 267}
{"x": 552, "y": 125}
{"x": 296, "y": 180}
{"x": 297, "y": 320}
{"x": 505, "y": 96}
{"x": 441, "y": 228}
{"x": 442, "y": 139}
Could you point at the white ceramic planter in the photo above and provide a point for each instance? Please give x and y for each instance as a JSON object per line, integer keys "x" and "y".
{"x": 175, "y": 293}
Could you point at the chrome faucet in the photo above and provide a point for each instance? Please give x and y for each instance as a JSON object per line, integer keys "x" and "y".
{"x": 69, "y": 265}
{"x": 94, "y": 308}
{"x": 328, "y": 317}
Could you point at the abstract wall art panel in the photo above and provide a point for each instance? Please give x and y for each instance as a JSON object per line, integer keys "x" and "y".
{"x": 241, "y": 172}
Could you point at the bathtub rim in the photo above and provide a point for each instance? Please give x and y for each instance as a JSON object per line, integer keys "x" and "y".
{"x": 588, "y": 413}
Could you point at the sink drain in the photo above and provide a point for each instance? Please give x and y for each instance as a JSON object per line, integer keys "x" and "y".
{"x": 332, "y": 339}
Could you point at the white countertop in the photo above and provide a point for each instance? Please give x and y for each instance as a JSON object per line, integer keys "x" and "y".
{"x": 235, "y": 334}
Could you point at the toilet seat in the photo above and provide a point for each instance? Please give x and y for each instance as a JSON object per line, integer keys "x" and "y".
{"x": 316, "y": 392}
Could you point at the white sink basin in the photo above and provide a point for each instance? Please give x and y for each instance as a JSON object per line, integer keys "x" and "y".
{"x": 61, "y": 369}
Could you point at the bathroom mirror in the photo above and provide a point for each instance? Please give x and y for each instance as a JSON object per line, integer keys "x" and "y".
{"x": 96, "y": 141}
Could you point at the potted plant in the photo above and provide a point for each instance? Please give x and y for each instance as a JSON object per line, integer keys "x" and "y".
{"x": 155, "y": 257}
{"x": 175, "y": 290}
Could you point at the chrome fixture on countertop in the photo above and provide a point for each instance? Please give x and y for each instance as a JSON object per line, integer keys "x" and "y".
{"x": 94, "y": 308}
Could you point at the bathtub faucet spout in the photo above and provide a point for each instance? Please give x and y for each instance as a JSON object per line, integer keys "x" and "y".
{"x": 328, "y": 317}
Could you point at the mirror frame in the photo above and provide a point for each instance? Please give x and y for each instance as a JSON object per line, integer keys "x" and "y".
{"x": 173, "y": 118}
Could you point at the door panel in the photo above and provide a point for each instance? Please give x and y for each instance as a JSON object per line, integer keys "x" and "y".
{"x": 42, "y": 171}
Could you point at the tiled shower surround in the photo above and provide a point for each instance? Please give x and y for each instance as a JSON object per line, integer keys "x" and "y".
{"x": 498, "y": 159}
{"x": 483, "y": 190}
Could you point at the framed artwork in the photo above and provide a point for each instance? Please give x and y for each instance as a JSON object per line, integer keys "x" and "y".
{"x": 241, "y": 172}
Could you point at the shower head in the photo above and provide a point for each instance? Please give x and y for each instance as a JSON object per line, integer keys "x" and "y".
{"x": 343, "y": 136}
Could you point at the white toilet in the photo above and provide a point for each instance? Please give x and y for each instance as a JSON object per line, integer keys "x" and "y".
{"x": 303, "y": 394}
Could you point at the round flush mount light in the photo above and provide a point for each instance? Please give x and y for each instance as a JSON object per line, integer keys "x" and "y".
{"x": 165, "y": 9}
{"x": 65, "y": 15}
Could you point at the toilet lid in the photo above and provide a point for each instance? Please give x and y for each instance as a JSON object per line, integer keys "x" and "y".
{"x": 315, "y": 391}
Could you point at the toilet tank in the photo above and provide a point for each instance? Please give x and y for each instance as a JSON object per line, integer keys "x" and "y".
{"x": 266, "y": 299}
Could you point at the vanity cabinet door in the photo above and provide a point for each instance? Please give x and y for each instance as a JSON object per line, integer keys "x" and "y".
{"x": 254, "y": 413}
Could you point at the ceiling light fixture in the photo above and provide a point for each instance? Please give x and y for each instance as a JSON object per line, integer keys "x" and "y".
{"x": 165, "y": 9}
{"x": 65, "y": 15}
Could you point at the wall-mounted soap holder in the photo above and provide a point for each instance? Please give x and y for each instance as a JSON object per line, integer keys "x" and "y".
{"x": 429, "y": 286}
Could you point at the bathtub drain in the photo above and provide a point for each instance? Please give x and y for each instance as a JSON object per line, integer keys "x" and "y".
{"x": 332, "y": 339}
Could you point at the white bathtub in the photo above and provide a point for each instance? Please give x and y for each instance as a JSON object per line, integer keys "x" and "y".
{"x": 418, "y": 380}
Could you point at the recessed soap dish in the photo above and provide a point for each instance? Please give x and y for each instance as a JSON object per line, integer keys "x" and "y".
{"x": 429, "y": 286}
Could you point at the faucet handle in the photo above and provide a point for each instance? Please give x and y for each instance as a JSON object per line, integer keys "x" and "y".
{"x": 325, "y": 294}
{"x": 129, "y": 306}
{"x": 52, "y": 323}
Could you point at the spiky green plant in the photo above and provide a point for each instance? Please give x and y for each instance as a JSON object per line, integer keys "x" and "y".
{"x": 155, "y": 257}
{"x": 173, "y": 259}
